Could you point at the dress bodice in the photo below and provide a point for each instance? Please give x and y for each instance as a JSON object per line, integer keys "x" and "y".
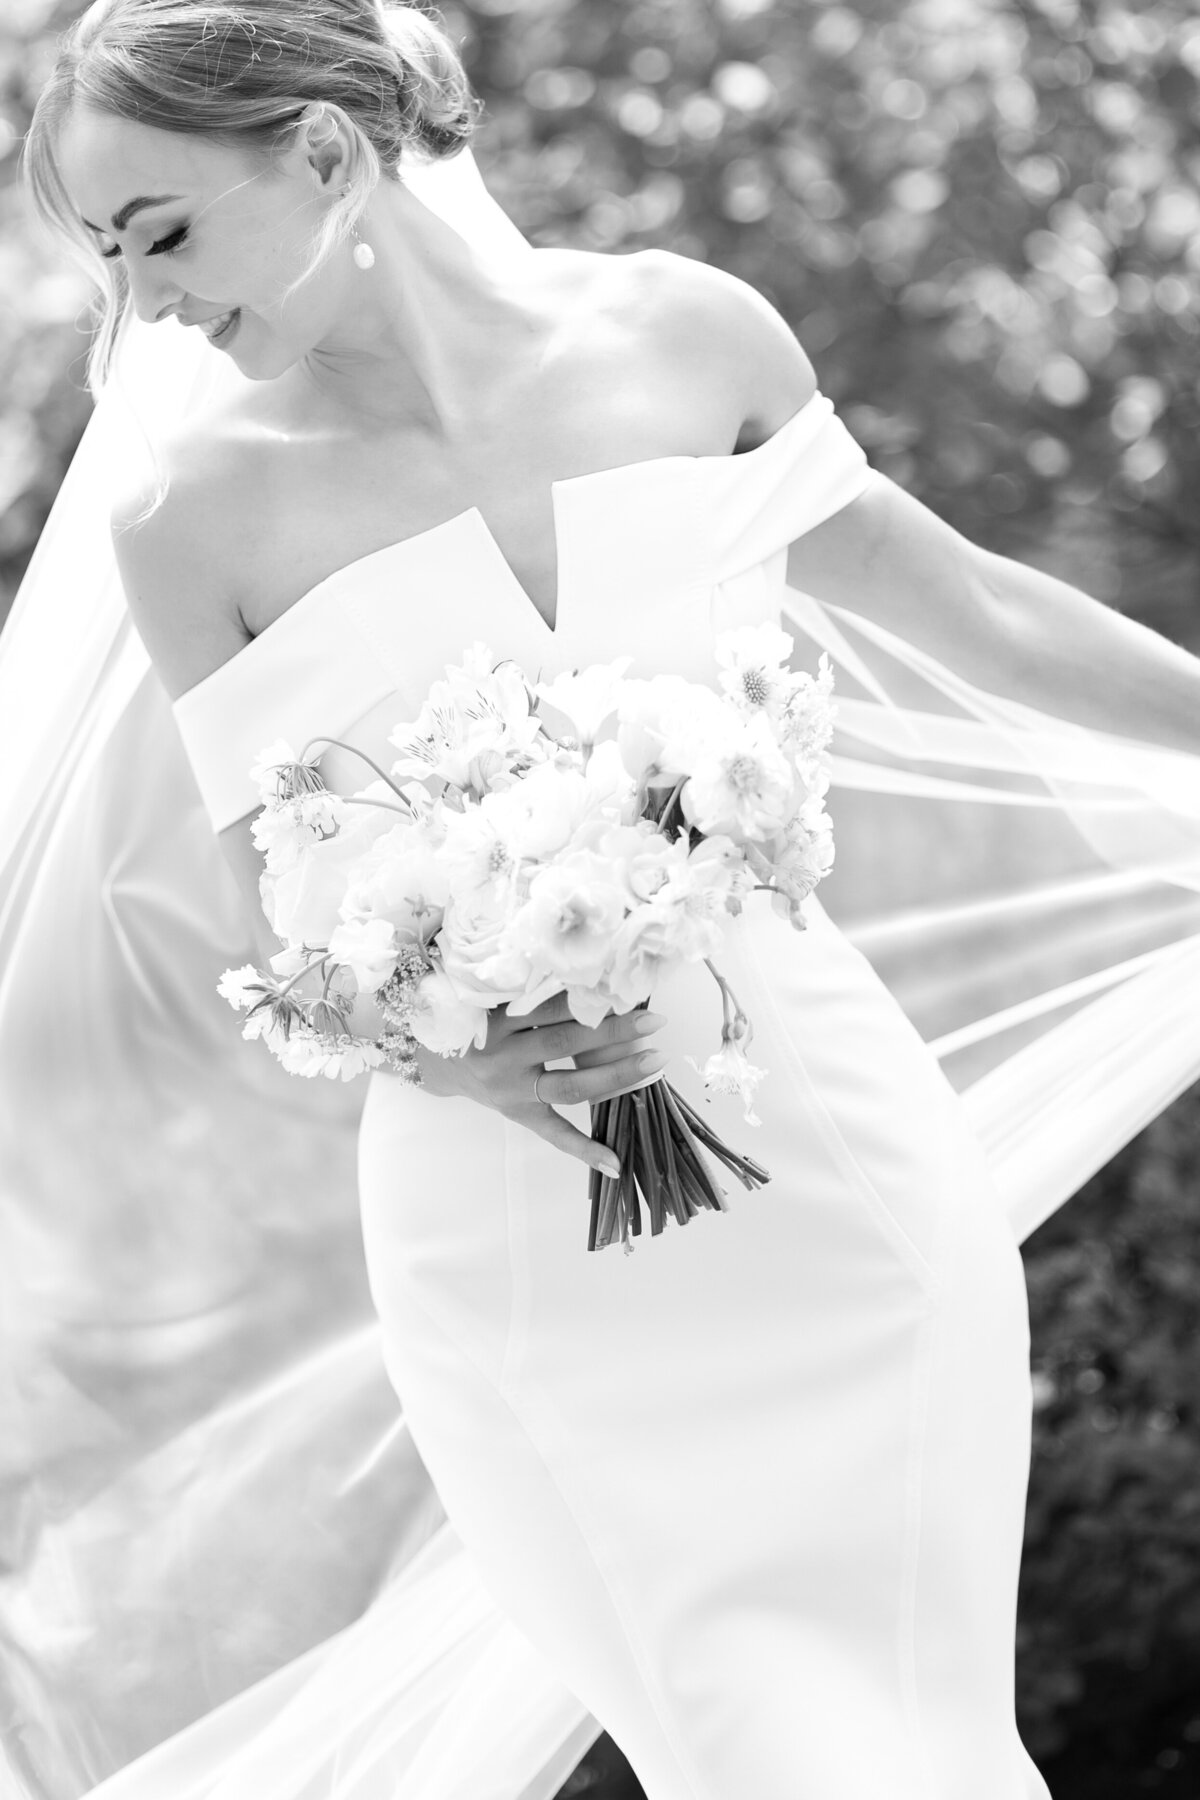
{"x": 655, "y": 558}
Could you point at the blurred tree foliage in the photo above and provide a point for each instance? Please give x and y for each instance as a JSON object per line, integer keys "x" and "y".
{"x": 982, "y": 219}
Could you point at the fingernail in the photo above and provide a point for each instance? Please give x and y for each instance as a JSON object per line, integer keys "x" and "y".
{"x": 646, "y": 1023}
{"x": 611, "y": 1167}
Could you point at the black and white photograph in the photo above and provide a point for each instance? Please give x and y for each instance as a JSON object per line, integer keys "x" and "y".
{"x": 599, "y": 900}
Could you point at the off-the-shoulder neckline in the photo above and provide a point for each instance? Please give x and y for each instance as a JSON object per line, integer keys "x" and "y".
{"x": 357, "y": 563}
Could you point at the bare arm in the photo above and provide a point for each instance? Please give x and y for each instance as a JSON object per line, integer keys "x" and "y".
{"x": 1000, "y": 624}
{"x": 1006, "y": 627}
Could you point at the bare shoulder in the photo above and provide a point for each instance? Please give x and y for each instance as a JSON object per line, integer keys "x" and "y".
{"x": 172, "y": 533}
{"x": 702, "y": 317}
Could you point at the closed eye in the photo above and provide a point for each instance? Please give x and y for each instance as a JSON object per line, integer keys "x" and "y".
{"x": 165, "y": 246}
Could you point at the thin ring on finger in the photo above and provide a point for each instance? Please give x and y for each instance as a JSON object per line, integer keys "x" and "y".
{"x": 542, "y": 1071}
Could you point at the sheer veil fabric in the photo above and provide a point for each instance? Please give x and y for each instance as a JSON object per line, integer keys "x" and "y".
{"x": 229, "y": 1577}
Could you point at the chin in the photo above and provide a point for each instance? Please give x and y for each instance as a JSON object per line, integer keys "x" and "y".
{"x": 260, "y": 356}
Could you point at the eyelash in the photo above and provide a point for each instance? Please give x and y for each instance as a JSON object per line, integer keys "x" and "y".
{"x": 167, "y": 246}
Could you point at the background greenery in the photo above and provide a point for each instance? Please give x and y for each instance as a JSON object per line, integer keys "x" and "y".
{"x": 982, "y": 219}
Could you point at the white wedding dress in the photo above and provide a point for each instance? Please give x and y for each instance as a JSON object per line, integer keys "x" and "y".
{"x": 754, "y": 1495}
{"x": 756, "y": 1491}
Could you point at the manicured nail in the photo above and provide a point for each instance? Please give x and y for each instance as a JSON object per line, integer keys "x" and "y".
{"x": 611, "y": 1167}
{"x": 645, "y": 1023}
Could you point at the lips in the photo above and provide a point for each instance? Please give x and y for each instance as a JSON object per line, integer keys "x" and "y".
{"x": 220, "y": 324}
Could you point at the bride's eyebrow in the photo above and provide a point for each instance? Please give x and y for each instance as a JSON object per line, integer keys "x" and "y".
{"x": 121, "y": 218}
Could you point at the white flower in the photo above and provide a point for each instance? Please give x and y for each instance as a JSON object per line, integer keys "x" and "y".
{"x": 284, "y": 831}
{"x": 473, "y": 728}
{"x": 538, "y": 816}
{"x": 588, "y": 698}
{"x": 310, "y": 1054}
{"x": 729, "y": 1071}
{"x": 367, "y": 947}
{"x": 443, "y": 1021}
{"x": 568, "y": 925}
{"x": 796, "y": 860}
{"x": 640, "y": 856}
{"x": 303, "y": 903}
{"x": 741, "y": 785}
{"x": 478, "y": 851}
{"x": 477, "y": 950}
{"x": 807, "y": 725}
{"x": 241, "y": 987}
{"x": 644, "y": 949}
{"x": 646, "y": 715}
{"x": 266, "y": 767}
{"x": 752, "y": 661}
{"x": 402, "y": 878}
{"x": 288, "y": 962}
{"x": 279, "y": 774}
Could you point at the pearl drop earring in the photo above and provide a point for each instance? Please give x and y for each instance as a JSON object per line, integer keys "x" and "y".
{"x": 364, "y": 256}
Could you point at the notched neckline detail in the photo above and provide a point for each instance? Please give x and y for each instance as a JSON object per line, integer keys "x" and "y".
{"x": 473, "y": 515}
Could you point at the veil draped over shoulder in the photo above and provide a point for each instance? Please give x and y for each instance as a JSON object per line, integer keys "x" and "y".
{"x": 228, "y": 1576}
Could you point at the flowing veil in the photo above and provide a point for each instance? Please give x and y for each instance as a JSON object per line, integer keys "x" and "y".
{"x": 228, "y": 1575}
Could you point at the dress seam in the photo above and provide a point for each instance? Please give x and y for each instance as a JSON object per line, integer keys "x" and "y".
{"x": 588, "y": 1537}
{"x": 914, "y": 1493}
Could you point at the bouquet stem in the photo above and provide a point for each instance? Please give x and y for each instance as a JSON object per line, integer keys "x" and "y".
{"x": 659, "y": 1140}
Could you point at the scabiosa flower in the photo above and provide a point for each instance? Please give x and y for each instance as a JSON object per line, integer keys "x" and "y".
{"x": 752, "y": 667}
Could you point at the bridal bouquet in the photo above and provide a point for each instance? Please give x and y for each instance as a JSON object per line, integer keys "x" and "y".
{"x": 579, "y": 836}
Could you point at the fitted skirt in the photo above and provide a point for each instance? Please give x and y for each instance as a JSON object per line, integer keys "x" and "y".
{"x": 756, "y": 1490}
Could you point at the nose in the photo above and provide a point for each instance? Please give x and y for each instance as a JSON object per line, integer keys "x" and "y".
{"x": 154, "y": 296}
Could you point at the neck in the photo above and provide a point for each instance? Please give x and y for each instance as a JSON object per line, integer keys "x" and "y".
{"x": 429, "y": 332}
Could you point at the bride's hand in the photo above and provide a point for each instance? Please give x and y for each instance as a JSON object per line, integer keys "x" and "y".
{"x": 611, "y": 1058}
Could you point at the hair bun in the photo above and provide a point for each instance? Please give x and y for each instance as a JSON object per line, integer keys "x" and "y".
{"x": 438, "y": 111}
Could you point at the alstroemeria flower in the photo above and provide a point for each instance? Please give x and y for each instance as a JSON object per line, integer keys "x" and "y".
{"x": 729, "y": 1071}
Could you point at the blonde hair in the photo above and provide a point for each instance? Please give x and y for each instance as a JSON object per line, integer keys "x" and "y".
{"x": 241, "y": 72}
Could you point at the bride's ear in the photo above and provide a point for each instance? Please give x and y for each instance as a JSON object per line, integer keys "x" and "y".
{"x": 325, "y": 143}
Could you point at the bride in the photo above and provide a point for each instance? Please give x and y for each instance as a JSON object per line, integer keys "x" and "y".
{"x": 753, "y": 1498}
